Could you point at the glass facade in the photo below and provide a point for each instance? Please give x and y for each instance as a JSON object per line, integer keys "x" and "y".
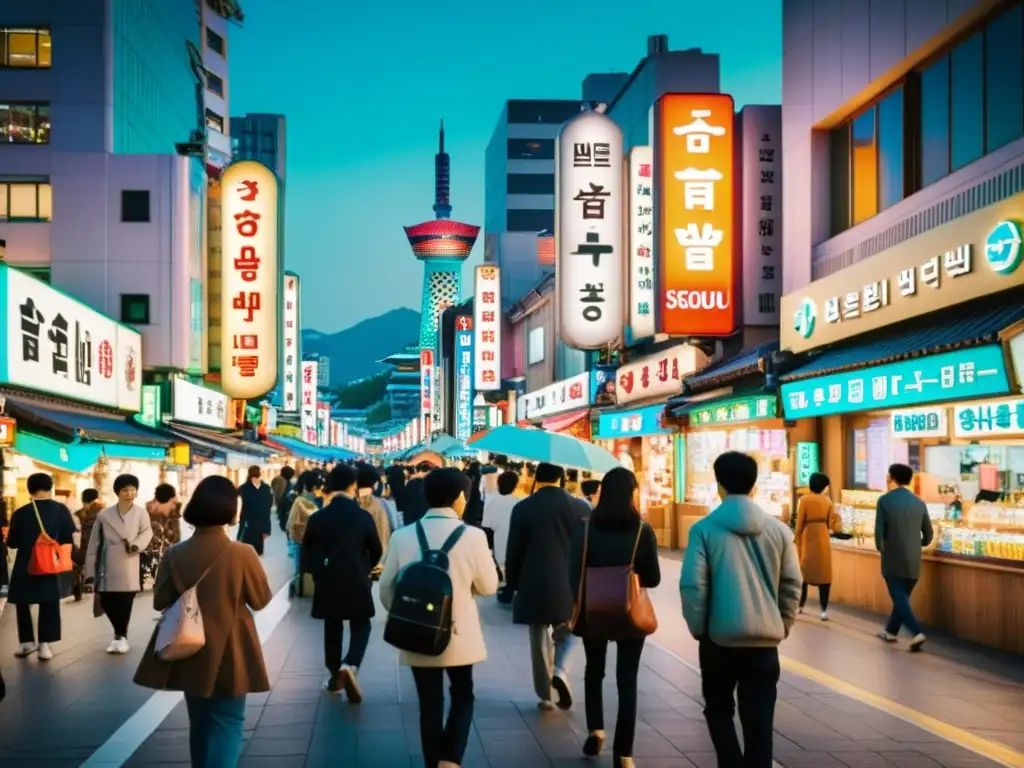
{"x": 530, "y": 221}
{"x": 632, "y": 109}
{"x": 531, "y": 149}
{"x": 934, "y": 152}
{"x": 967, "y": 101}
{"x": 531, "y": 184}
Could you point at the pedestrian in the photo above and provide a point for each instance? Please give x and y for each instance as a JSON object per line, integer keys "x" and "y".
{"x": 590, "y": 490}
{"x": 498, "y": 515}
{"x": 367, "y": 478}
{"x": 164, "y": 512}
{"x": 340, "y": 548}
{"x": 280, "y": 484}
{"x": 415, "y": 502}
{"x": 475, "y": 506}
{"x": 112, "y": 561}
{"x": 902, "y": 529}
{"x": 740, "y": 589}
{"x": 537, "y": 572}
{"x": 257, "y": 500}
{"x": 41, "y": 514}
{"x": 308, "y": 499}
{"x": 816, "y": 519}
{"x": 86, "y": 514}
{"x": 396, "y": 486}
{"x": 229, "y": 581}
{"x": 472, "y": 573}
{"x": 615, "y": 537}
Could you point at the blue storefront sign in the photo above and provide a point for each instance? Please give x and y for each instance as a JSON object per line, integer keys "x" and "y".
{"x": 463, "y": 385}
{"x": 964, "y": 374}
{"x": 637, "y": 423}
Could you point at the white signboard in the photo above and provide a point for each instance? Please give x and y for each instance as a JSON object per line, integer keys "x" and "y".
{"x": 660, "y": 375}
{"x": 487, "y": 328}
{"x": 914, "y": 423}
{"x": 249, "y": 281}
{"x": 307, "y": 413}
{"x": 762, "y": 214}
{"x": 641, "y": 243}
{"x": 995, "y": 418}
{"x": 427, "y": 381}
{"x": 290, "y": 388}
{"x": 535, "y": 347}
{"x": 588, "y": 228}
{"x": 562, "y": 396}
{"x": 198, "y": 405}
{"x": 58, "y": 345}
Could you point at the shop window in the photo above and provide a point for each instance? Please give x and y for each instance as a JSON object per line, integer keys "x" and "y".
{"x": 864, "y": 166}
{"x": 934, "y": 125}
{"x": 214, "y": 84}
{"x": 870, "y": 451}
{"x": 1004, "y": 79}
{"x": 25, "y": 123}
{"x": 25, "y": 48}
{"x": 25, "y": 201}
{"x": 967, "y": 102}
{"x": 135, "y": 308}
{"x": 135, "y": 206}
{"x": 839, "y": 168}
{"x": 890, "y": 149}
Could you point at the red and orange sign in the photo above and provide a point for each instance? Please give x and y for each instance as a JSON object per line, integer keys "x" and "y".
{"x": 694, "y": 203}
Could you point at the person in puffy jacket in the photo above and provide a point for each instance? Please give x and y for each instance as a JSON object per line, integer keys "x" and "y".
{"x": 308, "y": 499}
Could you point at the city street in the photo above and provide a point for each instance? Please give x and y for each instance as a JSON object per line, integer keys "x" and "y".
{"x": 844, "y": 700}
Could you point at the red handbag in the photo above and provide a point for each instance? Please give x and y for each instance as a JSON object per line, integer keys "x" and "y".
{"x": 48, "y": 558}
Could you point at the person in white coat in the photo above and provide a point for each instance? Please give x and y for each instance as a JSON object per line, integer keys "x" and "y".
{"x": 473, "y": 573}
{"x": 119, "y": 535}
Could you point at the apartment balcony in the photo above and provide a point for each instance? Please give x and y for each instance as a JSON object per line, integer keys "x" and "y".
{"x": 218, "y": 148}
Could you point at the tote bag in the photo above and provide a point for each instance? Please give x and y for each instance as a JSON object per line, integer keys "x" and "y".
{"x": 180, "y": 633}
{"x": 48, "y": 558}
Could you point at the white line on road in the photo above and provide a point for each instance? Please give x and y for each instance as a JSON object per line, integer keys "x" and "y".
{"x": 117, "y": 750}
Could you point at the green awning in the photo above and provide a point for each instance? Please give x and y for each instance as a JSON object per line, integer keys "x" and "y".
{"x": 80, "y": 456}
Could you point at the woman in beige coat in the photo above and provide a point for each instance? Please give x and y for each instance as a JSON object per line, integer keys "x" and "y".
{"x": 229, "y": 581}
{"x": 473, "y": 573}
{"x": 112, "y": 561}
{"x": 816, "y": 519}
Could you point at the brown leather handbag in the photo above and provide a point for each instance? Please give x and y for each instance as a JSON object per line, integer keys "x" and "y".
{"x": 614, "y": 604}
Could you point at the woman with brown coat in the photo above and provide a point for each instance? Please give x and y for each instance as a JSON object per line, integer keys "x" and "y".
{"x": 816, "y": 519}
{"x": 230, "y": 583}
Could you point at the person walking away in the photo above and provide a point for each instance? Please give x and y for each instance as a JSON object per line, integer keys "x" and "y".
{"x": 537, "y": 572}
{"x": 498, "y": 515}
{"x": 415, "y": 502}
{"x": 367, "y": 478}
{"x": 87, "y": 513}
{"x": 340, "y": 548}
{"x": 280, "y": 484}
{"x": 816, "y": 519}
{"x": 396, "y": 489}
{"x": 472, "y": 573}
{"x": 475, "y": 506}
{"x": 308, "y": 498}
{"x": 257, "y": 501}
{"x": 902, "y": 529}
{"x": 590, "y": 490}
{"x": 41, "y": 514}
{"x": 164, "y": 512}
{"x": 112, "y": 565}
{"x": 229, "y": 583}
{"x": 740, "y": 588}
{"x": 616, "y": 536}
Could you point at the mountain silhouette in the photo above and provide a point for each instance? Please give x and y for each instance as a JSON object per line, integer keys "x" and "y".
{"x": 354, "y": 352}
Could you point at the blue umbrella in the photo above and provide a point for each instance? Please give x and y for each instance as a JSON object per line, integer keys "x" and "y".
{"x": 533, "y": 444}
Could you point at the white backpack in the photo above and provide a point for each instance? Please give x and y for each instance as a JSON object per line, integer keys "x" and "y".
{"x": 180, "y": 634}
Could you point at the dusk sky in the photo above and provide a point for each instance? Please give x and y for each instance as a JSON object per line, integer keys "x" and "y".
{"x": 364, "y": 85}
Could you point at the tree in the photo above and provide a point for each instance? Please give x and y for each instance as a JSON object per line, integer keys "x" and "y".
{"x": 379, "y": 413}
{"x": 365, "y": 392}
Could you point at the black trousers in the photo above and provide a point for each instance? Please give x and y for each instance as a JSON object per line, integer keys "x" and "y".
{"x": 334, "y": 636}
{"x": 444, "y": 740}
{"x": 627, "y": 666}
{"x": 751, "y": 677}
{"x": 823, "y": 592}
{"x": 118, "y": 608}
{"x": 49, "y": 623}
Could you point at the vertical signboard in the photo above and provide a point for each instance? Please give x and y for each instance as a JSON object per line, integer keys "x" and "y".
{"x": 641, "y": 243}
{"x": 463, "y": 384}
{"x": 323, "y": 423}
{"x": 290, "y": 333}
{"x": 693, "y": 208}
{"x": 427, "y": 390}
{"x": 588, "y": 227}
{"x": 308, "y": 393}
{"x": 249, "y": 282}
{"x": 487, "y": 329}
{"x": 762, "y": 214}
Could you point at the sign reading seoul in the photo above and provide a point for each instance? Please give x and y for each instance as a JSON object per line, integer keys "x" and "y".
{"x": 966, "y": 373}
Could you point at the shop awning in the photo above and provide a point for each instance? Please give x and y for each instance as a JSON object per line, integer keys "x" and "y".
{"x": 81, "y": 423}
{"x": 746, "y": 363}
{"x": 728, "y": 409}
{"x": 79, "y": 456}
{"x": 955, "y": 328}
{"x": 310, "y": 452}
{"x": 565, "y": 420}
{"x": 220, "y": 446}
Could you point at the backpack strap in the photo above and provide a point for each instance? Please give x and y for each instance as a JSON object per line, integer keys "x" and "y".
{"x": 453, "y": 538}
{"x": 421, "y": 534}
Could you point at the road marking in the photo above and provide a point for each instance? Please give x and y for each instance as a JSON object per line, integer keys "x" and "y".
{"x": 126, "y": 740}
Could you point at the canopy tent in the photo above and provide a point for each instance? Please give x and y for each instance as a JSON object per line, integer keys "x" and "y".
{"x": 311, "y": 452}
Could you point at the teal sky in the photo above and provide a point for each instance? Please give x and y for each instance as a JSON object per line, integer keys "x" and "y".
{"x": 364, "y": 85}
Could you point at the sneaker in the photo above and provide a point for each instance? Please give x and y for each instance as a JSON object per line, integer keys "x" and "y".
{"x": 545, "y": 706}
{"x": 561, "y": 687}
{"x": 122, "y": 646}
{"x": 25, "y": 649}
{"x": 45, "y": 652}
{"x": 883, "y": 635}
{"x": 915, "y": 645}
{"x": 351, "y": 684}
{"x": 800, "y": 610}
{"x": 114, "y": 646}
{"x": 824, "y": 615}
{"x": 334, "y": 686}
{"x": 623, "y": 762}
{"x": 594, "y": 744}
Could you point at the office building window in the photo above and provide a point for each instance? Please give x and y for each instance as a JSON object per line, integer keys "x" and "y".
{"x": 934, "y": 127}
{"x": 530, "y": 221}
{"x": 135, "y": 308}
{"x": 839, "y": 169}
{"x": 25, "y": 48}
{"x": 215, "y": 85}
{"x": 215, "y": 42}
{"x": 1004, "y": 79}
{"x": 890, "y": 149}
{"x": 967, "y": 101}
{"x": 531, "y": 149}
{"x": 215, "y": 121}
{"x": 25, "y": 200}
{"x": 550, "y": 112}
{"x": 531, "y": 184}
{"x": 25, "y": 123}
{"x": 864, "y": 166}
{"x": 135, "y": 206}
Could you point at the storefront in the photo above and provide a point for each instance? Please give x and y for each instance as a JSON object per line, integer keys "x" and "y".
{"x": 927, "y": 382}
{"x": 560, "y": 407}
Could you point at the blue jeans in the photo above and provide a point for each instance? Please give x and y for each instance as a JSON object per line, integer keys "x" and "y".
{"x": 902, "y": 614}
{"x": 215, "y": 730}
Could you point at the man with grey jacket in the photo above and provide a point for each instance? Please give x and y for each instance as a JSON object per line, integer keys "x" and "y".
{"x": 740, "y": 588}
{"x": 902, "y": 528}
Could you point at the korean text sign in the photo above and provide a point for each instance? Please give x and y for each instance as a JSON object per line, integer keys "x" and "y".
{"x": 694, "y": 202}
{"x": 556, "y": 398}
{"x": 290, "y": 384}
{"x": 487, "y": 328}
{"x": 307, "y": 412}
{"x": 642, "y": 421}
{"x": 991, "y": 419}
{"x": 427, "y": 390}
{"x": 660, "y": 375}
{"x": 641, "y": 243}
{"x": 588, "y": 225}
{"x": 463, "y": 385}
{"x": 199, "y": 405}
{"x": 249, "y": 317}
{"x": 58, "y": 345}
{"x": 762, "y": 214}
{"x": 965, "y": 373}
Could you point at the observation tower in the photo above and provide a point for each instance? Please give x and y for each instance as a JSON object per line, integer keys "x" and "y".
{"x": 442, "y": 245}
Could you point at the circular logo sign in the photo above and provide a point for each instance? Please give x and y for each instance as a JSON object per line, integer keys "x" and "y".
{"x": 1003, "y": 247}
{"x": 805, "y": 318}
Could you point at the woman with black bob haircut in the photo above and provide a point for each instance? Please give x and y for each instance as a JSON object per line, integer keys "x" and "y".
{"x": 616, "y": 536}
{"x": 211, "y": 504}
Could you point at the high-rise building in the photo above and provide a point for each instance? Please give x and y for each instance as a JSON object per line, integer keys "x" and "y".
{"x": 102, "y": 175}
{"x": 602, "y": 87}
{"x": 261, "y": 137}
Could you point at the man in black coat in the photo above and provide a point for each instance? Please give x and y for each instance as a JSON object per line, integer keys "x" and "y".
{"x": 340, "y": 548}
{"x": 415, "y": 501}
{"x": 537, "y": 570}
{"x": 257, "y": 502}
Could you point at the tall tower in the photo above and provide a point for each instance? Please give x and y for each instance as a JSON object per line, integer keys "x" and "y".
{"x": 442, "y": 245}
